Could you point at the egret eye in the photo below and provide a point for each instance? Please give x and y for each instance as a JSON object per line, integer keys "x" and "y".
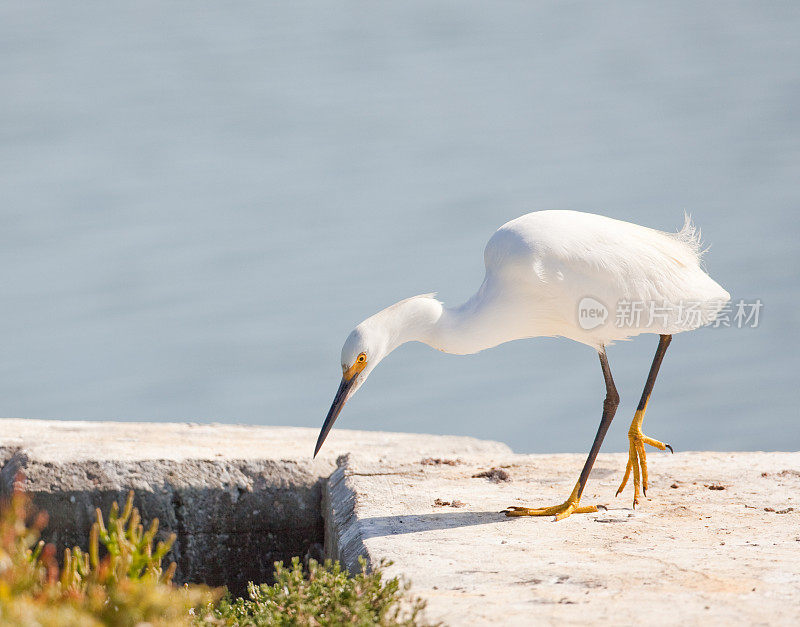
{"x": 362, "y": 358}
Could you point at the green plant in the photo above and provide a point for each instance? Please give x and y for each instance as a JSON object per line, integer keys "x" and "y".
{"x": 129, "y": 548}
{"x": 324, "y": 595}
{"x": 126, "y": 586}
{"x": 120, "y": 581}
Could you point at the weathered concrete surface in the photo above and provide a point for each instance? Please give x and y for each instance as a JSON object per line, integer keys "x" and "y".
{"x": 238, "y": 497}
{"x": 688, "y": 554}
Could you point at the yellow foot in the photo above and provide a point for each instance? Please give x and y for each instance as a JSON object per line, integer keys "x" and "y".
{"x": 559, "y": 511}
{"x": 637, "y": 461}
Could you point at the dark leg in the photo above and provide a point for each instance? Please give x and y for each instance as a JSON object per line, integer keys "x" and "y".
{"x": 571, "y": 505}
{"x": 637, "y": 458}
{"x": 609, "y": 409}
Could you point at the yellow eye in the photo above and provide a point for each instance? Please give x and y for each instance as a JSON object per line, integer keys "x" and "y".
{"x": 362, "y": 358}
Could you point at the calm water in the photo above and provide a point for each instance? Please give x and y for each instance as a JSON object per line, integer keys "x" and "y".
{"x": 198, "y": 202}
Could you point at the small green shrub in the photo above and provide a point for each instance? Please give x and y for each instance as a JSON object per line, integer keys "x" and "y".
{"x": 323, "y": 595}
{"x": 120, "y": 581}
{"x": 125, "y": 586}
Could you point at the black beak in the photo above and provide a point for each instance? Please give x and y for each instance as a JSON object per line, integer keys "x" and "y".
{"x": 333, "y": 412}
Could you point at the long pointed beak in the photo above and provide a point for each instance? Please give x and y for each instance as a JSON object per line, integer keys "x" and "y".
{"x": 333, "y": 412}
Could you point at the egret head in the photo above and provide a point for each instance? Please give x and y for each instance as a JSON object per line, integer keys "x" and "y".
{"x": 364, "y": 348}
{"x": 408, "y": 320}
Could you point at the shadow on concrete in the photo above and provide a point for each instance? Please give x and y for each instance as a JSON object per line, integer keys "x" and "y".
{"x": 379, "y": 526}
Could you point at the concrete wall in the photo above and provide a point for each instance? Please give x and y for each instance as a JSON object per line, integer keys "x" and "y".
{"x": 239, "y": 498}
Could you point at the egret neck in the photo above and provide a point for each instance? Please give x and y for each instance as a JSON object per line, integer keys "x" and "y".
{"x": 476, "y": 325}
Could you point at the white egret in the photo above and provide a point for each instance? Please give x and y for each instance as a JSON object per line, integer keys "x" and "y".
{"x": 582, "y": 276}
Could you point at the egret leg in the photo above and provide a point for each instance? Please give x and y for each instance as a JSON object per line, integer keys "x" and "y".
{"x": 637, "y": 458}
{"x": 572, "y": 504}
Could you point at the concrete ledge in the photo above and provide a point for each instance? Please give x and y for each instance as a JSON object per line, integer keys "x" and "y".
{"x": 239, "y": 498}
{"x": 718, "y": 540}
{"x": 710, "y": 544}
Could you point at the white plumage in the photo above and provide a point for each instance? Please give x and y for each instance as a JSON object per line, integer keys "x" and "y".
{"x": 538, "y": 269}
{"x": 541, "y": 265}
{"x": 555, "y": 273}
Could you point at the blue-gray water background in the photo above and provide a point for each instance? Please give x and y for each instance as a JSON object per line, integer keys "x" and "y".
{"x": 199, "y": 201}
